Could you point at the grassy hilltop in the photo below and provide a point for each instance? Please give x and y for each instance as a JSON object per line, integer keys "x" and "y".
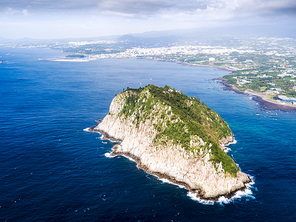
{"x": 180, "y": 120}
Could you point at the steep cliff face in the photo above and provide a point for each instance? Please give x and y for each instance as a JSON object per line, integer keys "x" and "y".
{"x": 155, "y": 130}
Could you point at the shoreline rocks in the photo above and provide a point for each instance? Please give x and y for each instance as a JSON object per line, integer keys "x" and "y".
{"x": 197, "y": 190}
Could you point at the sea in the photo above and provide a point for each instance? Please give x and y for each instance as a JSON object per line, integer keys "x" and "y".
{"x": 51, "y": 169}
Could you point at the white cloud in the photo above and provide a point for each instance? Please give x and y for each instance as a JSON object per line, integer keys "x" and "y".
{"x": 10, "y": 11}
{"x": 25, "y": 12}
{"x": 109, "y": 17}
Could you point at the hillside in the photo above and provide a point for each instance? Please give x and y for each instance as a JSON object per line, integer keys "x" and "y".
{"x": 174, "y": 136}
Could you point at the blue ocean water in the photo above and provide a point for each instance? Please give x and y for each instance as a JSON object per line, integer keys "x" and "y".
{"x": 52, "y": 170}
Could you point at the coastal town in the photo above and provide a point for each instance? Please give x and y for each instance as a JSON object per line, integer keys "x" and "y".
{"x": 263, "y": 67}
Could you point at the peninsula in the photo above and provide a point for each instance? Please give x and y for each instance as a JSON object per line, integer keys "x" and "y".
{"x": 272, "y": 91}
{"x": 175, "y": 137}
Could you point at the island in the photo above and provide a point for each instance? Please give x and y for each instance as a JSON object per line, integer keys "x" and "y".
{"x": 175, "y": 137}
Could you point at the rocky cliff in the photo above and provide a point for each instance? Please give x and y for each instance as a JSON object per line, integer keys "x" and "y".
{"x": 174, "y": 137}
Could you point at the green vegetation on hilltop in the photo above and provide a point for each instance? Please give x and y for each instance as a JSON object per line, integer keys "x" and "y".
{"x": 180, "y": 119}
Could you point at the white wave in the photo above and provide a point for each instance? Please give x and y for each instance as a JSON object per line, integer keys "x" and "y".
{"x": 109, "y": 155}
{"x": 233, "y": 142}
{"x": 195, "y": 198}
{"x": 88, "y": 130}
{"x": 167, "y": 181}
{"x": 251, "y": 183}
{"x": 222, "y": 200}
{"x": 247, "y": 193}
{"x": 131, "y": 159}
{"x": 226, "y": 149}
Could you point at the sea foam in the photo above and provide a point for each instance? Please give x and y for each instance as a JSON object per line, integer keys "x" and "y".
{"x": 167, "y": 181}
{"x": 227, "y": 149}
{"x": 233, "y": 142}
{"x": 108, "y": 155}
{"x": 247, "y": 194}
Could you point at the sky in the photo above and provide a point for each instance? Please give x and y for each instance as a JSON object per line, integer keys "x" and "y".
{"x": 53, "y": 19}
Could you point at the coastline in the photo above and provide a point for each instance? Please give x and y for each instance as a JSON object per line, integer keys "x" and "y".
{"x": 262, "y": 99}
{"x": 198, "y": 65}
{"x": 198, "y": 192}
{"x": 106, "y": 136}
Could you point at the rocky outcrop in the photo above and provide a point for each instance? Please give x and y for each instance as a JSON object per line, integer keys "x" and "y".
{"x": 192, "y": 168}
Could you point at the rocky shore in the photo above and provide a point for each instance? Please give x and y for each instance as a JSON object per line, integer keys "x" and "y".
{"x": 105, "y": 135}
{"x": 192, "y": 169}
{"x": 237, "y": 184}
{"x": 198, "y": 191}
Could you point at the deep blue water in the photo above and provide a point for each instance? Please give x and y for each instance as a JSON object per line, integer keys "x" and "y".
{"x": 52, "y": 170}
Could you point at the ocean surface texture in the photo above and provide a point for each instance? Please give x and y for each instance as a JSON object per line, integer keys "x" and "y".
{"x": 53, "y": 170}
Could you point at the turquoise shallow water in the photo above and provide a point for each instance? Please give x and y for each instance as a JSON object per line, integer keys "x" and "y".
{"x": 52, "y": 170}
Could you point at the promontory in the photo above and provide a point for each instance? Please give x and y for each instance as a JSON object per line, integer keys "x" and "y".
{"x": 175, "y": 137}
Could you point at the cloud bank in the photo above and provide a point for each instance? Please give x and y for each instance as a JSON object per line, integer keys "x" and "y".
{"x": 115, "y": 16}
{"x": 152, "y": 7}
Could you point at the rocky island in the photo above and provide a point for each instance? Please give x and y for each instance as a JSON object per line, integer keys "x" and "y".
{"x": 176, "y": 137}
